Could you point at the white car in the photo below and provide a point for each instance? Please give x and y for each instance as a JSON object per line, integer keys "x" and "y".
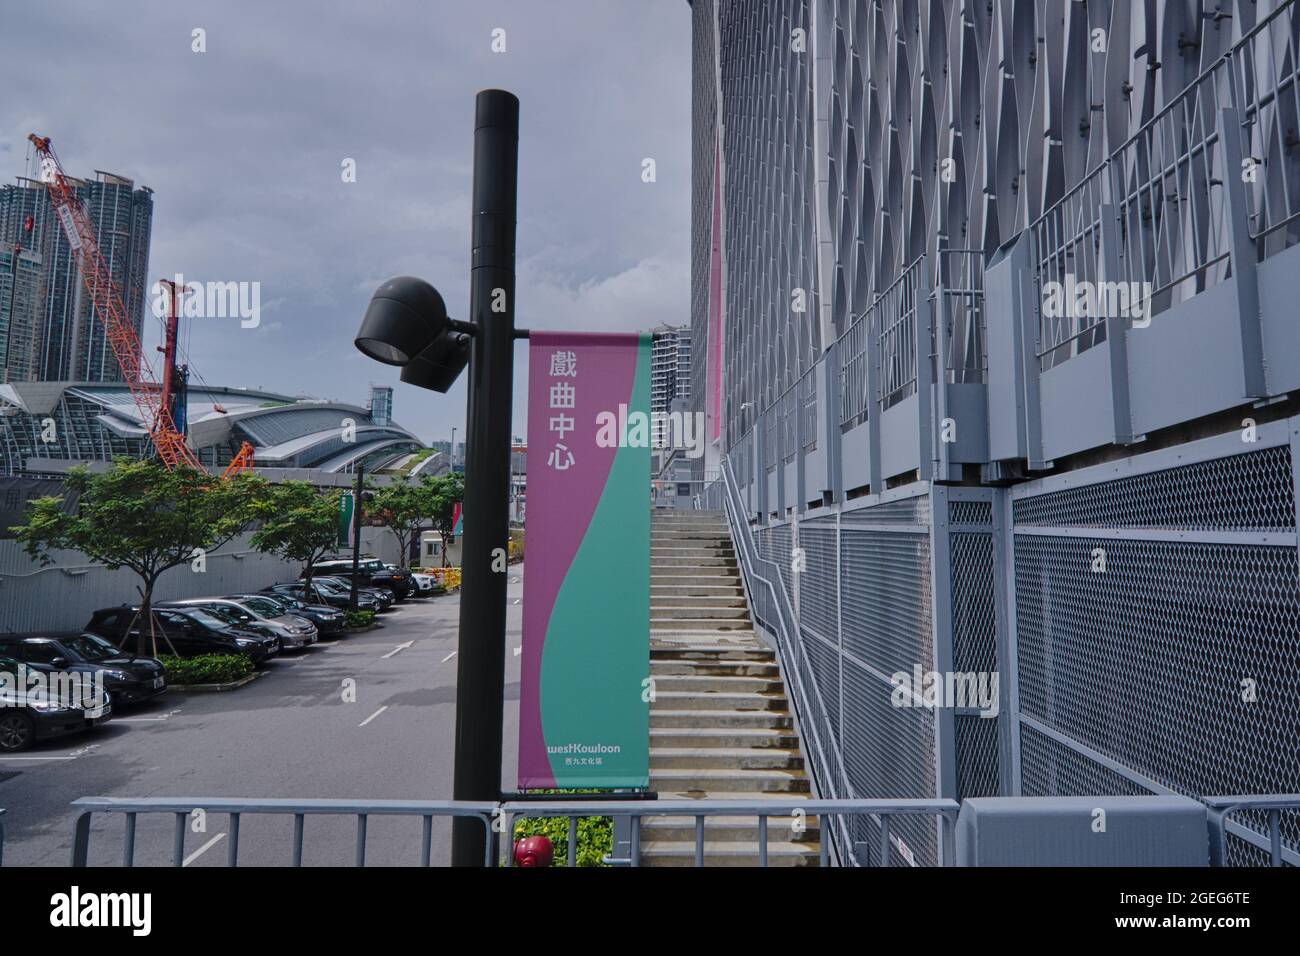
{"x": 427, "y": 583}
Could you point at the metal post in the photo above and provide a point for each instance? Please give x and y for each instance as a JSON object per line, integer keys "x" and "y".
{"x": 356, "y": 534}
{"x": 480, "y": 672}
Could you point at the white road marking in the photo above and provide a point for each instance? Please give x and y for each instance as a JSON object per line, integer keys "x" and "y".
{"x": 373, "y": 716}
{"x": 137, "y": 720}
{"x": 397, "y": 650}
{"x": 58, "y": 757}
{"x": 447, "y": 658}
{"x": 203, "y": 849}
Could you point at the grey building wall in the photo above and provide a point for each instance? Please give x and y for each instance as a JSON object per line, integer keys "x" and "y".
{"x": 62, "y": 597}
{"x": 934, "y": 462}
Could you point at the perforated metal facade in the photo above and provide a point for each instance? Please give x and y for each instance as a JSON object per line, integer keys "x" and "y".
{"x": 936, "y": 461}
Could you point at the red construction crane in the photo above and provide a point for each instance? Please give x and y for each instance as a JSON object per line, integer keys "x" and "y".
{"x": 106, "y": 298}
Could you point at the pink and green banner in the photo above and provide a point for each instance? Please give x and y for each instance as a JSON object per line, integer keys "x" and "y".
{"x": 584, "y": 716}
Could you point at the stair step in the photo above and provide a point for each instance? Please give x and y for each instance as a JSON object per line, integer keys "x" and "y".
{"x": 724, "y": 758}
{"x": 698, "y": 600}
{"x": 695, "y": 649}
{"x": 741, "y": 781}
{"x": 704, "y": 624}
{"x": 659, "y": 559}
{"x": 711, "y": 684}
{"x": 752, "y": 737}
{"x": 704, "y": 720}
{"x": 698, "y": 612}
{"x": 690, "y": 700}
{"x": 722, "y": 830}
{"x": 714, "y": 668}
{"x": 670, "y": 853}
{"x": 718, "y": 578}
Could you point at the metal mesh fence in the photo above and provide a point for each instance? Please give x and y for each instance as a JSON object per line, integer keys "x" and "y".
{"x": 1172, "y": 655}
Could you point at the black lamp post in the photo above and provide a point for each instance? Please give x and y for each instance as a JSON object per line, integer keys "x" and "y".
{"x": 406, "y": 324}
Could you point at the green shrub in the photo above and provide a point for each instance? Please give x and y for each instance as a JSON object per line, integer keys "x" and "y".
{"x": 595, "y": 837}
{"x": 595, "y": 834}
{"x": 206, "y": 668}
{"x": 358, "y": 618}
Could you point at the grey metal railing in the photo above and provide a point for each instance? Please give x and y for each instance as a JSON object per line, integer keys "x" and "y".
{"x": 1164, "y": 190}
{"x": 771, "y": 601}
{"x": 1222, "y": 809}
{"x": 236, "y": 808}
{"x": 762, "y": 810}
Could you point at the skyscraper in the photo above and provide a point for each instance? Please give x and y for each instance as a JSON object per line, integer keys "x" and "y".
{"x": 21, "y": 275}
{"x": 70, "y": 340}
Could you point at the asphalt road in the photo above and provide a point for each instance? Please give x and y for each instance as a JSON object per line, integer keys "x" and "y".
{"x": 287, "y": 734}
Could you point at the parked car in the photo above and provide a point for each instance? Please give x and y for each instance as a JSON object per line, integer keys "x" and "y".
{"x": 128, "y": 678}
{"x": 407, "y": 576}
{"x": 382, "y": 595}
{"x": 427, "y": 584}
{"x": 293, "y": 631}
{"x": 30, "y": 714}
{"x": 187, "y": 632}
{"x": 371, "y": 572}
{"x": 328, "y": 594}
{"x": 327, "y": 619}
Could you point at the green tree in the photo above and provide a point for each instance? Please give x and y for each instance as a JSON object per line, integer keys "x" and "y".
{"x": 447, "y": 491}
{"x": 297, "y": 522}
{"x": 140, "y": 516}
{"x": 404, "y": 505}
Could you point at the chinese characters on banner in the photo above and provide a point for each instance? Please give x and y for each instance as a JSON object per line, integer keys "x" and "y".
{"x": 584, "y": 719}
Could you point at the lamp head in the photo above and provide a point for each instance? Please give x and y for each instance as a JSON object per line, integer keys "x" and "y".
{"x": 405, "y": 317}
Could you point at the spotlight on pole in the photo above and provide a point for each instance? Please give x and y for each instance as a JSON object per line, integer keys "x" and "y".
{"x": 405, "y": 316}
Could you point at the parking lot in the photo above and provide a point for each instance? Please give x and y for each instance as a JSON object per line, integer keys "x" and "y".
{"x": 290, "y": 733}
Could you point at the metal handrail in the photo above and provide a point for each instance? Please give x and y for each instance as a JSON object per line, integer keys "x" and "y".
{"x": 1221, "y": 808}
{"x": 761, "y": 809}
{"x": 795, "y": 663}
{"x": 183, "y": 807}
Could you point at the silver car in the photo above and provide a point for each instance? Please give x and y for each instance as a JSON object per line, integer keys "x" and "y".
{"x": 292, "y": 630}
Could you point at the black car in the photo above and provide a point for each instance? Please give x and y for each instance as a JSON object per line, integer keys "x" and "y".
{"x": 338, "y": 592}
{"x": 186, "y": 632}
{"x": 32, "y": 709}
{"x": 384, "y": 596}
{"x": 326, "y": 594}
{"x": 128, "y": 678}
{"x": 327, "y": 619}
{"x": 371, "y": 573}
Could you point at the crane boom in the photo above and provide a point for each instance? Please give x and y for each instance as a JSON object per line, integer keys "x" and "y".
{"x": 106, "y": 298}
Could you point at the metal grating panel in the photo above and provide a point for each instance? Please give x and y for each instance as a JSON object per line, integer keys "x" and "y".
{"x": 1147, "y": 662}
{"x": 914, "y": 510}
{"x": 885, "y": 590}
{"x": 970, "y": 512}
{"x": 889, "y": 752}
{"x": 1052, "y": 769}
{"x": 1250, "y": 491}
{"x": 977, "y": 757}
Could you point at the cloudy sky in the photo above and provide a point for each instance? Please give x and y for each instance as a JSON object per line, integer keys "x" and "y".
{"x": 244, "y": 144}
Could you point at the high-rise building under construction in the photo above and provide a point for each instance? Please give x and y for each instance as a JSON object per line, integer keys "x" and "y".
{"x": 67, "y": 341}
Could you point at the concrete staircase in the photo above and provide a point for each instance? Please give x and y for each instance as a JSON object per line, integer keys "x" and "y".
{"x": 720, "y": 724}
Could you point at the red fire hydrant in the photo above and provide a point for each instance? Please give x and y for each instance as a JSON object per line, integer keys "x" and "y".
{"x": 533, "y": 851}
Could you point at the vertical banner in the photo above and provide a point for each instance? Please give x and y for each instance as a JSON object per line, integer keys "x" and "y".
{"x": 584, "y": 716}
{"x": 345, "y": 520}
